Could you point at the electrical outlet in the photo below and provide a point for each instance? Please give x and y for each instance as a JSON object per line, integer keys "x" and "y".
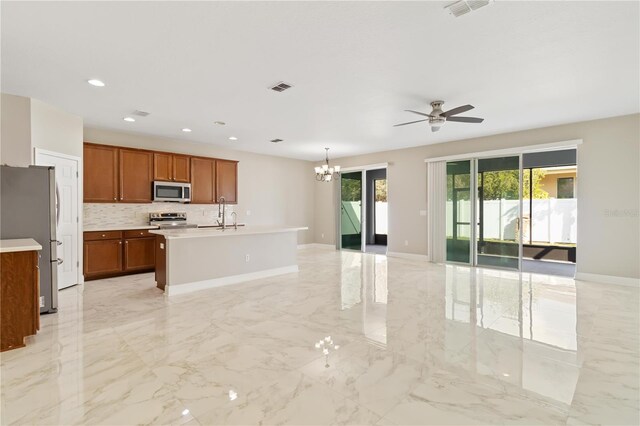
{"x": 42, "y": 301}
{"x": 247, "y": 258}
{"x": 406, "y": 242}
{"x": 423, "y": 212}
{"x": 248, "y": 212}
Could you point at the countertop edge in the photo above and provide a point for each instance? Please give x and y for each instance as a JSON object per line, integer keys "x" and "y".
{"x": 19, "y": 244}
{"x": 226, "y": 233}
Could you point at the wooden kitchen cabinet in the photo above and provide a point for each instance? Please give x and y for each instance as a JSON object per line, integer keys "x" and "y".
{"x": 19, "y": 298}
{"x": 112, "y": 253}
{"x": 171, "y": 167}
{"x": 100, "y": 174}
{"x": 227, "y": 180}
{"x": 102, "y": 258}
{"x": 162, "y": 166}
{"x": 139, "y": 254}
{"x": 181, "y": 168}
{"x": 113, "y": 174}
{"x": 136, "y": 175}
{"x": 203, "y": 186}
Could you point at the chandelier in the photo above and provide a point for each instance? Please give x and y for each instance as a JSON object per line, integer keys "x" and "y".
{"x": 326, "y": 173}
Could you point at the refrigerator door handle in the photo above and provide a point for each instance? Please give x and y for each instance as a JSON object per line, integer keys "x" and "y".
{"x": 57, "y": 205}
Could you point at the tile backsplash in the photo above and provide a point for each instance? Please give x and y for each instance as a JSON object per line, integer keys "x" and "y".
{"x": 107, "y": 214}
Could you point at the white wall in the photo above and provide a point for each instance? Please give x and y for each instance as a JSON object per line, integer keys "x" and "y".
{"x": 608, "y": 190}
{"x": 15, "y": 132}
{"x": 29, "y": 123}
{"x": 55, "y": 130}
{"x": 277, "y": 191}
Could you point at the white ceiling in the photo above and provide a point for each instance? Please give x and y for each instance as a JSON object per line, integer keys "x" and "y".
{"x": 355, "y": 67}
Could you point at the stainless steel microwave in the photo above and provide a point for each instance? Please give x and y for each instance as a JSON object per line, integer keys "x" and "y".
{"x": 172, "y": 191}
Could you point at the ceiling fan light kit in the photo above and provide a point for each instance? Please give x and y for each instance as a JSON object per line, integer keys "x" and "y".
{"x": 438, "y": 117}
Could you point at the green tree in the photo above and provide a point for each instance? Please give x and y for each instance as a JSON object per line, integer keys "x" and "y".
{"x": 504, "y": 184}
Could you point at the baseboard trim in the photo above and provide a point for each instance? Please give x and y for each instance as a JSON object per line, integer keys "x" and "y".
{"x": 316, "y": 245}
{"x": 411, "y": 256}
{"x": 608, "y": 279}
{"x": 172, "y": 290}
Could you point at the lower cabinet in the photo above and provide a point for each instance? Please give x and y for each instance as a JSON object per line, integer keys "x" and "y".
{"x": 102, "y": 258}
{"x": 19, "y": 298}
{"x": 139, "y": 254}
{"x": 112, "y": 253}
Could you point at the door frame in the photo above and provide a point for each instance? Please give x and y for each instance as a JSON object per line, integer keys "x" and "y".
{"x": 79, "y": 202}
{"x": 363, "y": 203}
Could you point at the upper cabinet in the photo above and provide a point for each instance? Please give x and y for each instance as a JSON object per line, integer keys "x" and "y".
{"x": 181, "y": 168}
{"x": 203, "y": 175}
{"x": 113, "y": 174}
{"x": 227, "y": 181}
{"x": 100, "y": 174}
{"x": 136, "y": 175}
{"x": 171, "y": 167}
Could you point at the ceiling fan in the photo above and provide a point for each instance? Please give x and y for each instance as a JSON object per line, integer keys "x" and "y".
{"x": 438, "y": 117}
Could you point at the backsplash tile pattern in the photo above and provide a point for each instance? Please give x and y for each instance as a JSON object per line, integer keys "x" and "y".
{"x": 109, "y": 214}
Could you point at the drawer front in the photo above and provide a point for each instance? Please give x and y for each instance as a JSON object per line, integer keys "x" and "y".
{"x": 102, "y": 235}
{"x": 138, "y": 233}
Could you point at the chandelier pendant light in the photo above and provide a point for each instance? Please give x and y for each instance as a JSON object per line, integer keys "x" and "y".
{"x": 326, "y": 173}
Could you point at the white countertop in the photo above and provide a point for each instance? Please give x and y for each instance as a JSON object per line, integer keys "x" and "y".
{"x": 229, "y": 232}
{"x": 22, "y": 244}
{"x": 98, "y": 228}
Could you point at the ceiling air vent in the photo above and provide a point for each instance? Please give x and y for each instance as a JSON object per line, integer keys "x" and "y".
{"x": 281, "y": 87}
{"x": 276, "y": 140}
{"x": 463, "y": 7}
{"x": 140, "y": 113}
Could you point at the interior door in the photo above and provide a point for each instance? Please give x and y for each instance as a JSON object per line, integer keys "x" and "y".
{"x": 351, "y": 210}
{"x": 498, "y": 212}
{"x": 68, "y": 217}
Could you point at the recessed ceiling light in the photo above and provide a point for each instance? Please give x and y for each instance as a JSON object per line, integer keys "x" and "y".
{"x": 186, "y": 130}
{"x": 97, "y": 83}
{"x": 129, "y": 119}
{"x": 219, "y": 123}
{"x": 233, "y": 138}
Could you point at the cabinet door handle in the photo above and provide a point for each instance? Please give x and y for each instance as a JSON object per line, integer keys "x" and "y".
{"x": 120, "y": 242}
{"x": 126, "y": 242}
{"x": 103, "y": 235}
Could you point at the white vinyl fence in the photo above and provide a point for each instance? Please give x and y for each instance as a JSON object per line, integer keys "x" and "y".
{"x": 554, "y": 220}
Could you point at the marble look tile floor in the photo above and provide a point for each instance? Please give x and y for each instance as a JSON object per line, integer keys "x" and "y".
{"x": 419, "y": 344}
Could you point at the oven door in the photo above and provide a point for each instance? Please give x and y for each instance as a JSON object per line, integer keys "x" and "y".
{"x": 170, "y": 191}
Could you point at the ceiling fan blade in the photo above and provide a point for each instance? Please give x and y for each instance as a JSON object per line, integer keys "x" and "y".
{"x": 410, "y": 122}
{"x": 435, "y": 129}
{"x": 418, "y": 112}
{"x": 457, "y": 110}
{"x": 466, "y": 119}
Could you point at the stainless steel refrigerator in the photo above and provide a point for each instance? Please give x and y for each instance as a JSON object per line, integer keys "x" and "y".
{"x": 28, "y": 209}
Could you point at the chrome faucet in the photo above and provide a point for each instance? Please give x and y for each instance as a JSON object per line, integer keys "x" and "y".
{"x": 222, "y": 209}
{"x": 234, "y": 215}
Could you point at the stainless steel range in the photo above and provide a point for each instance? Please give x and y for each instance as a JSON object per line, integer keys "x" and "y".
{"x": 170, "y": 220}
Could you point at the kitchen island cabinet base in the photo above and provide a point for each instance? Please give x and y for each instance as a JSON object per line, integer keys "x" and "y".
{"x": 201, "y": 259}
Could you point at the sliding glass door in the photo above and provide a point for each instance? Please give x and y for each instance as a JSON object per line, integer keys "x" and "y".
{"x": 351, "y": 210}
{"x": 458, "y": 212}
{"x": 483, "y": 212}
{"x": 498, "y": 212}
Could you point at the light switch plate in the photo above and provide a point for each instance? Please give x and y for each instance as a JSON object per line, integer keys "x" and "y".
{"x": 42, "y": 301}
{"x": 423, "y": 212}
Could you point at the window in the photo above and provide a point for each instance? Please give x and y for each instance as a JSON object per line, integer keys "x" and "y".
{"x": 565, "y": 187}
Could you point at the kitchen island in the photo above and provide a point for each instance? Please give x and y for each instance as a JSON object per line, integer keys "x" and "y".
{"x": 196, "y": 259}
